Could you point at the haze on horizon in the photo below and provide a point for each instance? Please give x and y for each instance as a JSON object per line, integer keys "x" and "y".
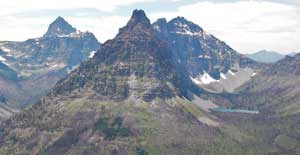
{"x": 246, "y": 25}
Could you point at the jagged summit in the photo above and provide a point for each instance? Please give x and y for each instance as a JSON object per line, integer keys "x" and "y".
{"x": 60, "y": 27}
{"x": 137, "y": 20}
{"x": 162, "y": 20}
{"x": 139, "y": 15}
{"x": 181, "y": 22}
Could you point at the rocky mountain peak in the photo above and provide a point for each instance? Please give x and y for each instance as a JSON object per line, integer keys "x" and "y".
{"x": 183, "y": 23}
{"x": 138, "y": 20}
{"x": 162, "y": 21}
{"x": 160, "y": 25}
{"x": 60, "y": 27}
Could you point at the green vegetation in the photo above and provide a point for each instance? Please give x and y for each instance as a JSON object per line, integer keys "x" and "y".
{"x": 112, "y": 129}
{"x": 285, "y": 142}
{"x": 141, "y": 151}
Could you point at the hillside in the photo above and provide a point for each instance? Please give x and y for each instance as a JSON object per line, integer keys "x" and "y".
{"x": 275, "y": 93}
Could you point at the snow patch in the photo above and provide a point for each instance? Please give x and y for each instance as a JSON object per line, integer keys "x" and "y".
{"x": 207, "y": 79}
{"x": 69, "y": 70}
{"x": 230, "y": 72}
{"x": 204, "y": 56}
{"x": 2, "y": 59}
{"x": 54, "y": 66}
{"x": 204, "y": 79}
{"x": 5, "y": 49}
{"x": 92, "y": 53}
{"x": 157, "y": 28}
{"x": 223, "y": 76}
{"x": 206, "y": 35}
{"x": 186, "y": 30}
{"x": 195, "y": 80}
{"x": 76, "y": 34}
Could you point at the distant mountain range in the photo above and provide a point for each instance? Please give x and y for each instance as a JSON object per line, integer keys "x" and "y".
{"x": 31, "y": 68}
{"x": 265, "y": 56}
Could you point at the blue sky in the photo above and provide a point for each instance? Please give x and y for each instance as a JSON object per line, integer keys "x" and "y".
{"x": 246, "y": 25}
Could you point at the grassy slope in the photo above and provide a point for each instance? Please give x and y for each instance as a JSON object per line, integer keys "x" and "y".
{"x": 76, "y": 124}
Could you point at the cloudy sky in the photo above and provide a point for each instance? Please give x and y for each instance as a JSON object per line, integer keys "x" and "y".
{"x": 246, "y": 25}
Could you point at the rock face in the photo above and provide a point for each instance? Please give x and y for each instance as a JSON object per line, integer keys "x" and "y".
{"x": 135, "y": 63}
{"x": 199, "y": 51}
{"x": 37, "y": 64}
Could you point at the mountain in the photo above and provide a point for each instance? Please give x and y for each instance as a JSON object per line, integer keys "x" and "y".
{"x": 266, "y": 56}
{"x": 61, "y": 47}
{"x": 37, "y": 64}
{"x": 275, "y": 93}
{"x": 132, "y": 97}
{"x": 60, "y": 27}
{"x": 206, "y": 58}
{"x": 293, "y": 54}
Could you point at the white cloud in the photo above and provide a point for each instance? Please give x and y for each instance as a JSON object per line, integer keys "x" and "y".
{"x": 19, "y": 29}
{"x": 15, "y": 27}
{"x": 13, "y": 6}
{"x": 104, "y": 27}
{"x": 247, "y": 26}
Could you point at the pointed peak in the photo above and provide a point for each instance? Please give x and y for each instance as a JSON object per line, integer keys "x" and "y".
{"x": 139, "y": 15}
{"x": 138, "y": 19}
{"x": 60, "y": 27}
{"x": 59, "y": 18}
{"x": 180, "y": 19}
